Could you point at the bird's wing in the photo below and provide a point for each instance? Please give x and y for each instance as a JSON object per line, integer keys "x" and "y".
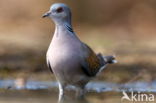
{"x": 49, "y": 66}
{"x": 91, "y": 63}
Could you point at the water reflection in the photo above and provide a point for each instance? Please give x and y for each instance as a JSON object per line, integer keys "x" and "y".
{"x": 92, "y": 86}
{"x": 47, "y": 92}
{"x": 71, "y": 100}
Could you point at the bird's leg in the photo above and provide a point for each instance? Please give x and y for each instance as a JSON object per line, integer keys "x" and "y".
{"x": 80, "y": 93}
{"x": 61, "y": 92}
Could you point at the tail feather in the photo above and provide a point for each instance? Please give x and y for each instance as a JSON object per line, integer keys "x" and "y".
{"x": 104, "y": 60}
{"x": 110, "y": 59}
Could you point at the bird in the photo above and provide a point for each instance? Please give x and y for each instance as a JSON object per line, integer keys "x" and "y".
{"x": 69, "y": 59}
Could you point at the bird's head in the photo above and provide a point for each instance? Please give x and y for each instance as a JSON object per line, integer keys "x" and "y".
{"x": 59, "y": 13}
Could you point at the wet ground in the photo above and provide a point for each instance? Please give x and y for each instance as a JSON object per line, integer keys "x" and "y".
{"x": 47, "y": 92}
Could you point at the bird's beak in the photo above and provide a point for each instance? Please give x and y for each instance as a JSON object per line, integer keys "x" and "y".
{"x": 46, "y": 14}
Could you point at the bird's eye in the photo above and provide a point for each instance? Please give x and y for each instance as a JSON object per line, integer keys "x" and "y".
{"x": 59, "y": 10}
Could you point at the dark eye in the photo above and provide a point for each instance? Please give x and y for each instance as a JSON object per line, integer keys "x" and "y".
{"x": 59, "y": 10}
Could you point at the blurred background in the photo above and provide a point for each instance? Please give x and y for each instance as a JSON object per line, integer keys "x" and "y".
{"x": 125, "y": 28}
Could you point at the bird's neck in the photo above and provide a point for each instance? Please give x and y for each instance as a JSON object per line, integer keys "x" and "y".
{"x": 63, "y": 29}
{"x": 63, "y": 34}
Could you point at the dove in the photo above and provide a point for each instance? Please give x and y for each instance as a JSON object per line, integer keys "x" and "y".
{"x": 69, "y": 59}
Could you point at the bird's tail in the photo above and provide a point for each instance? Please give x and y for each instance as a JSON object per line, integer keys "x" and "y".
{"x": 109, "y": 59}
{"x": 104, "y": 60}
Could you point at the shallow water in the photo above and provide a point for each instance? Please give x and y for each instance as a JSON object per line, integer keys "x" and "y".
{"x": 47, "y": 92}
{"x": 92, "y": 86}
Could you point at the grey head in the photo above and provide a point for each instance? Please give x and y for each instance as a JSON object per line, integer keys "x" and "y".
{"x": 59, "y": 13}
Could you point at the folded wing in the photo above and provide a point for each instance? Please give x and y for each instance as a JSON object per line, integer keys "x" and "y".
{"x": 91, "y": 62}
